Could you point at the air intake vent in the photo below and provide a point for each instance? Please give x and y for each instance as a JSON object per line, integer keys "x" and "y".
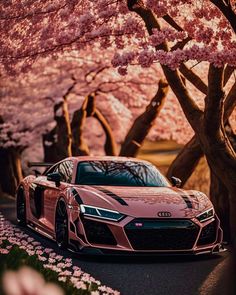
{"x": 154, "y": 234}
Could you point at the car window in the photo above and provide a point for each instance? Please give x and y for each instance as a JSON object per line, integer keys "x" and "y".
{"x": 129, "y": 173}
{"x": 65, "y": 169}
{"x": 51, "y": 170}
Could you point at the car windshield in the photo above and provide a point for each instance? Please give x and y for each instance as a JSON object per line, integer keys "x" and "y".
{"x": 115, "y": 173}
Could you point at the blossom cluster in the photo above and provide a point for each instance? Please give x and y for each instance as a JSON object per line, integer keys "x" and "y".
{"x": 67, "y": 272}
{"x": 77, "y": 25}
{"x": 174, "y": 59}
{"x": 166, "y": 34}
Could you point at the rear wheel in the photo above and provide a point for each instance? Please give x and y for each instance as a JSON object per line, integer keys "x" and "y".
{"x": 61, "y": 225}
{"x": 21, "y": 207}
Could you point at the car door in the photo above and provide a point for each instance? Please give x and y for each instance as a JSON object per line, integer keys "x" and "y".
{"x": 52, "y": 192}
{"x": 36, "y": 193}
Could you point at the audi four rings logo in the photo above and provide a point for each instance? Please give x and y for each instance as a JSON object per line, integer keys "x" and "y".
{"x": 164, "y": 214}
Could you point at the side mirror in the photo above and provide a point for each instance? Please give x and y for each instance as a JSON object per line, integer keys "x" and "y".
{"x": 55, "y": 177}
{"x": 36, "y": 172}
{"x": 176, "y": 181}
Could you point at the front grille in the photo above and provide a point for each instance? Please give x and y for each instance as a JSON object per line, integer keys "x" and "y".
{"x": 208, "y": 234}
{"x": 98, "y": 232}
{"x": 156, "y": 234}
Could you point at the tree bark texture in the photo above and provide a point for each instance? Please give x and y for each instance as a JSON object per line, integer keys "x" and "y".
{"x": 188, "y": 158}
{"x": 57, "y": 142}
{"x": 144, "y": 122}
{"x": 220, "y": 198}
{"x": 186, "y": 161}
{"x": 11, "y": 171}
{"x": 79, "y": 146}
{"x": 110, "y": 146}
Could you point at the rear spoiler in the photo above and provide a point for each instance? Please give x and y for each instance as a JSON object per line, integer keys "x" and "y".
{"x": 39, "y": 164}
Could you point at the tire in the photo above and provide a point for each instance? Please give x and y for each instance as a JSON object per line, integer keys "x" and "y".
{"x": 61, "y": 225}
{"x": 21, "y": 207}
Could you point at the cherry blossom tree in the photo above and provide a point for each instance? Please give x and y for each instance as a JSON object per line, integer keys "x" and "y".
{"x": 175, "y": 33}
{"x": 28, "y": 109}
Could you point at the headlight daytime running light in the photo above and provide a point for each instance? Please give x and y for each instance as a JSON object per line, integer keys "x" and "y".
{"x": 101, "y": 213}
{"x": 206, "y": 215}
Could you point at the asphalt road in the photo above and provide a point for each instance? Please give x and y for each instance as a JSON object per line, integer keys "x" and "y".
{"x": 201, "y": 275}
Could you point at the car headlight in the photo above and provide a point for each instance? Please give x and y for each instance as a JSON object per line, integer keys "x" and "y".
{"x": 206, "y": 215}
{"x": 101, "y": 213}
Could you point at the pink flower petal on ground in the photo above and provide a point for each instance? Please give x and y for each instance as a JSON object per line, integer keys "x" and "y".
{"x": 4, "y": 251}
{"x": 42, "y": 258}
{"x": 66, "y": 273}
{"x": 59, "y": 257}
{"x": 48, "y": 250}
{"x": 62, "y": 279}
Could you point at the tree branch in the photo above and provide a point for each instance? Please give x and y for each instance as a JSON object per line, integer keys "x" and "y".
{"x": 193, "y": 78}
{"x": 213, "y": 115}
{"x": 227, "y": 12}
{"x": 190, "y": 108}
{"x": 227, "y": 74}
{"x": 230, "y": 103}
{"x": 110, "y": 146}
{"x": 144, "y": 122}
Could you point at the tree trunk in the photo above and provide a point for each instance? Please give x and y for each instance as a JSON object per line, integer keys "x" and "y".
{"x": 219, "y": 196}
{"x": 88, "y": 109}
{"x": 143, "y": 123}
{"x": 79, "y": 146}
{"x": 63, "y": 130}
{"x": 50, "y": 146}
{"x": 186, "y": 161}
{"x": 57, "y": 142}
{"x": 11, "y": 171}
{"x": 110, "y": 143}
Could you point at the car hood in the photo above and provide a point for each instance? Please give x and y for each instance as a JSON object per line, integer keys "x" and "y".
{"x": 146, "y": 202}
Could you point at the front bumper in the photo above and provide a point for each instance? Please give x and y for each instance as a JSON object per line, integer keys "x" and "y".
{"x": 146, "y": 236}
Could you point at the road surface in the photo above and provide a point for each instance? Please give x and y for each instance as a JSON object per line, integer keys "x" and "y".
{"x": 151, "y": 275}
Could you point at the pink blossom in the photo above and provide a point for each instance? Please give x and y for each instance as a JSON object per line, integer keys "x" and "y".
{"x": 58, "y": 257}
{"x": 48, "y": 250}
{"x": 42, "y": 258}
{"x": 4, "y": 251}
{"x": 62, "y": 279}
{"x": 66, "y": 273}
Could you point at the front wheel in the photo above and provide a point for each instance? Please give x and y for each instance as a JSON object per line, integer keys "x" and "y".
{"x": 21, "y": 207}
{"x": 61, "y": 225}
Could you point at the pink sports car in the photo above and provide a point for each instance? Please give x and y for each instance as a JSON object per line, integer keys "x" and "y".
{"x": 102, "y": 205}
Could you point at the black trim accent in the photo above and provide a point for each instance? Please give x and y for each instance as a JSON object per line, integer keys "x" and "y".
{"x": 208, "y": 234}
{"x": 76, "y": 223}
{"x": 112, "y": 195}
{"x": 187, "y": 201}
{"x": 72, "y": 227}
{"x": 77, "y": 196}
{"x": 75, "y": 245}
{"x": 159, "y": 234}
{"x": 98, "y": 232}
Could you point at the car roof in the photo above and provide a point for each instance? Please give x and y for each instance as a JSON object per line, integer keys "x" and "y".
{"x": 106, "y": 158}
